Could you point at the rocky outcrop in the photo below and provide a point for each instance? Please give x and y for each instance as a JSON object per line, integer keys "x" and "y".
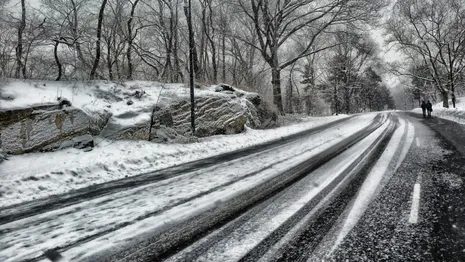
{"x": 214, "y": 116}
{"x": 117, "y": 132}
{"x": 85, "y": 142}
{"x": 50, "y": 127}
{"x": 260, "y": 114}
{"x": 41, "y": 127}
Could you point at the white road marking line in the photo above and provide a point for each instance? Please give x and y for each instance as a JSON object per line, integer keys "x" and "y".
{"x": 418, "y": 142}
{"x": 415, "y": 202}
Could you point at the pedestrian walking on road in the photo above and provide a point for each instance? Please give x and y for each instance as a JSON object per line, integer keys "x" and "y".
{"x": 423, "y": 108}
{"x": 429, "y": 107}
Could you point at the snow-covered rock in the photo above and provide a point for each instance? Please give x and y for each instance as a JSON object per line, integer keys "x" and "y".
{"x": 215, "y": 115}
{"x": 158, "y": 112}
{"x": 41, "y": 127}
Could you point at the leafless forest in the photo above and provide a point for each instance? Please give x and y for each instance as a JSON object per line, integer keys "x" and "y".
{"x": 300, "y": 54}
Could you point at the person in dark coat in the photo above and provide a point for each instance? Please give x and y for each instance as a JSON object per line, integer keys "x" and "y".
{"x": 429, "y": 108}
{"x": 423, "y": 107}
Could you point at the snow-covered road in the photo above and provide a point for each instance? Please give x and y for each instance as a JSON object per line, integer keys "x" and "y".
{"x": 39, "y": 175}
{"x": 278, "y": 211}
{"x": 117, "y": 220}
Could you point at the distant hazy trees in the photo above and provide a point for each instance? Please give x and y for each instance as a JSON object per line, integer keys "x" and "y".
{"x": 246, "y": 43}
{"x": 352, "y": 84}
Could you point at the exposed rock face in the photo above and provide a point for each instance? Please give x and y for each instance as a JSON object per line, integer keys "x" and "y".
{"x": 50, "y": 127}
{"x": 136, "y": 132}
{"x": 85, "y": 142}
{"x": 224, "y": 88}
{"x": 40, "y": 127}
{"x": 99, "y": 121}
{"x": 214, "y": 116}
{"x": 259, "y": 112}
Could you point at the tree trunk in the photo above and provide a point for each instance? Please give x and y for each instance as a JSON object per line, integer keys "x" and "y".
{"x": 336, "y": 112}
{"x": 347, "y": 100}
{"x": 179, "y": 76}
{"x": 212, "y": 42}
{"x": 76, "y": 37}
{"x": 445, "y": 99}
{"x": 223, "y": 47}
{"x": 289, "y": 99}
{"x": 276, "y": 82}
{"x": 19, "y": 47}
{"x": 26, "y": 58}
{"x": 99, "y": 37}
{"x": 57, "y": 60}
{"x": 109, "y": 60}
{"x": 130, "y": 40}
{"x": 197, "y": 69}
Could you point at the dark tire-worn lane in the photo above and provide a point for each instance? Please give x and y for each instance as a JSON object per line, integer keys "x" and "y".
{"x": 449, "y": 200}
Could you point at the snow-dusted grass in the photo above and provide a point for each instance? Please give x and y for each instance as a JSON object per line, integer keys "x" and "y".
{"x": 456, "y": 114}
{"x": 37, "y": 175}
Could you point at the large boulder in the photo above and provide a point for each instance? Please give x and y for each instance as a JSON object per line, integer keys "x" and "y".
{"x": 99, "y": 121}
{"x": 260, "y": 113}
{"x": 215, "y": 115}
{"x": 131, "y": 125}
{"x": 41, "y": 127}
{"x": 115, "y": 131}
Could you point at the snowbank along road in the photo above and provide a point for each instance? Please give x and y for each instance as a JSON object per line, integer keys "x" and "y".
{"x": 368, "y": 187}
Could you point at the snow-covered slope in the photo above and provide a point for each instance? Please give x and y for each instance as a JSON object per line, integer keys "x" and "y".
{"x": 456, "y": 114}
{"x": 36, "y": 175}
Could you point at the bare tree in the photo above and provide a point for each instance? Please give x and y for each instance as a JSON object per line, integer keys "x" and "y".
{"x": 432, "y": 32}
{"x": 19, "y": 46}
{"x": 131, "y": 37}
{"x": 99, "y": 36}
{"x": 277, "y": 22}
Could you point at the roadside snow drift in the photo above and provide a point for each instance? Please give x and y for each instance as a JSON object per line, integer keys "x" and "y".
{"x": 456, "y": 114}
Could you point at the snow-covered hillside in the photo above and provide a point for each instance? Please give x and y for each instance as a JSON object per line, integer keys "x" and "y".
{"x": 456, "y": 114}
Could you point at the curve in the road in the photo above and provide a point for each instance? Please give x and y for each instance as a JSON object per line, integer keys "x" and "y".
{"x": 23, "y": 210}
{"x": 170, "y": 242}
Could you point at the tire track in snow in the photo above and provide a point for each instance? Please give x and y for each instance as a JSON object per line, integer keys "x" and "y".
{"x": 251, "y": 235}
{"x": 162, "y": 245}
{"x": 23, "y": 210}
{"x": 371, "y": 184}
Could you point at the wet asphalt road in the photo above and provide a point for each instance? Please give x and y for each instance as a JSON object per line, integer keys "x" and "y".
{"x": 436, "y": 162}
